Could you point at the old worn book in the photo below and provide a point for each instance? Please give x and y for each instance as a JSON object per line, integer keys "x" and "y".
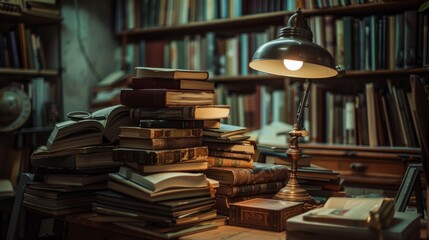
{"x": 229, "y": 162}
{"x": 205, "y": 112}
{"x": 180, "y": 124}
{"x": 74, "y": 179}
{"x": 166, "y": 180}
{"x": 130, "y": 188}
{"x": 225, "y": 130}
{"x": 194, "y": 166}
{"x": 261, "y": 213}
{"x": 86, "y": 157}
{"x": 171, "y": 73}
{"x": 246, "y": 147}
{"x": 156, "y": 83}
{"x": 233, "y": 155}
{"x": 260, "y": 173}
{"x": 169, "y": 208}
{"x": 404, "y": 226}
{"x": 154, "y": 157}
{"x": 159, "y": 143}
{"x": 57, "y": 195}
{"x": 138, "y": 132}
{"x": 60, "y": 191}
{"x": 250, "y": 189}
{"x": 235, "y": 139}
{"x": 353, "y": 211}
{"x": 165, "y": 97}
{"x": 78, "y": 133}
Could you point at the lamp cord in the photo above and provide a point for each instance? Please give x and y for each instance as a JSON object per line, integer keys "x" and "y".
{"x": 303, "y": 104}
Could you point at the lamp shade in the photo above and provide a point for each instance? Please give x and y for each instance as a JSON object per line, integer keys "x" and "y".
{"x": 294, "y": 43}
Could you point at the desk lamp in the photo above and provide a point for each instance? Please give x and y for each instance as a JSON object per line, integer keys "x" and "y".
{"x": 293, "y": 54}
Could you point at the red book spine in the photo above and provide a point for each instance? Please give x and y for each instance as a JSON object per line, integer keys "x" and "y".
{"x": 144, "y": 97}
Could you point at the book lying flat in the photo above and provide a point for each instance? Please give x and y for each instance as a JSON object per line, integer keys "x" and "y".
{"x": 166, "y": 180}
{"x": 155, "y": 157}
{"x": 173, "y": 167}
{"x": 156, "y": 83}
{"x": 229, "y": 162}
{"x": 165, "y": 97}
{"x": 171, "y": 73}
{"x": 404, "y": 225}
{"x": 138, "y": 132}
{"x": 240, "y": 147}
{"x": 130, "y": 188}
{"x": 74, "y": 180}
{"x": 180, "y": 124}
{"x": 225, "y": 130}
{"x": 206, "y": 112}
{"x": 353, "y": 211}
{"x": 159, "y": 143}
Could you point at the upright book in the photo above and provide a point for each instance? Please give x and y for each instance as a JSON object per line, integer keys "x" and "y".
{"x": 182, "y": 112}
{"x": 171, "y": 73}
{"x": 165, "y": 97}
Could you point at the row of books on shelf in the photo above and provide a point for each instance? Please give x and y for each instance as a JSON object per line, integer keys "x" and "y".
{"x": 134, "y": 14}
{"x": 319, "y": 4}
{"x": 21, "y": 48}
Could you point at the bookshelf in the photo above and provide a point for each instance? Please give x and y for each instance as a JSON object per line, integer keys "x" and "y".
{"x": 31, "y": 62}
{"x": 223, "y": 43}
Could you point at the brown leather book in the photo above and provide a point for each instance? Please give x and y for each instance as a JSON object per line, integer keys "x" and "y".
{"x": 159, "y": 143}
{"x": 157, "y": 83}
{"x": 261, "y": 213}
{"x": 165, "y": 97}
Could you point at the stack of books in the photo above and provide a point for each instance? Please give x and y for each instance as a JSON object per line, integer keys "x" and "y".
{"x": 239, "y": 184}
{"x": 75, "y": 162}
{"x": 228, "y": 146}
{"x": 173, "y": 107}
{"x": 164, "y": 205}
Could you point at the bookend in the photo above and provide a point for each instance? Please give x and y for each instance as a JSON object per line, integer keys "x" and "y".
{"x": 410, "y": 182}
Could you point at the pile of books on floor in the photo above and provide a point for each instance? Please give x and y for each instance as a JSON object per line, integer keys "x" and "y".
{"x": 75, "y": 162}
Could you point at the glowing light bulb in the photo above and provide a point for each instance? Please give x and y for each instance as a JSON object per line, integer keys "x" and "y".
{"x": 292, "y": 65}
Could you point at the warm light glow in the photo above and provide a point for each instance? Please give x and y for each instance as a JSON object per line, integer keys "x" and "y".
{"x": 292, "y": 65}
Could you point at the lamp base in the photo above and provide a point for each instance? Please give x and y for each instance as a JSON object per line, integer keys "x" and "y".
{"x": 294, "y": 193}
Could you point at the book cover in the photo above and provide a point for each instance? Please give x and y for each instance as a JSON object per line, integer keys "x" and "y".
{"x": 251, "y": 189}
{"x": 154, "y": 157}
{"x": 225, "y": 130}
{"x": 165, "y": 97}
{"x": 159, "y": 83}
{"x": 171, "y": 73}
{"x": 246, "y": 148}
{"x": 229, "y": 162}
{"x": 74, "y": 180}
{"x": 78, "y": 161}
{"x": 260, "y": 173}
{"x": 261, "y": 213}
{"x": 166, "y": 180}
{"x": 172, "y": 167}
{"x": 182, "y": 112}
{"x": 233, "y": 155}
{"x": 159, "y": 143}
{"x": 138, "y": 132}
{"x": 181, "y": 124}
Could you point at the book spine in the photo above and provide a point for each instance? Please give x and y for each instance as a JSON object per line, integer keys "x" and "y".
{"x": 162, "y": 133}
{"x": 246, "y": 190}
{"x": 233, "y": 155}
{"x": 147, "y": 83}
{"x": 180, "y": 113}
{"x": 160, "y": 157}
{"x": 171, "y": 124}
{"x": 142, "y": 98}
{"x": 227, "y": 162}
{"x": 55, "y": 162}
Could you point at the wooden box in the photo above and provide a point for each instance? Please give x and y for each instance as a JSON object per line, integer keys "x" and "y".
{"x": 261, "y": 213}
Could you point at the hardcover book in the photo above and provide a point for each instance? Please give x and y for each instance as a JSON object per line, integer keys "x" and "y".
{"x": 185, "y": 84}
{"x": 229, "y": 162}
{"x": 246, "y": 147}
{"x": 182, "y": 112}
{"x": 261, "y": 213}
{"x": 159, "y": 143}
{"x": 173, "y": 167}
{"x": 138, "y": 132}
{"x": 165, "y": 97}
{"x": 260, "y": 173}
{"x": 171, "y": 73}
{"x": 180, "y": 124}
{"x": 74, "y": 180}
{"x": 251, "y": 189}
{"x": 233, "y": 155}
{"x": 104, "y": 122}
{"x": 225, "y": 130}
{"x": 155, "y": 157}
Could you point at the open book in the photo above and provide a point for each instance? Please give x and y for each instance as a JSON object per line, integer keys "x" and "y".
{"x": 361, "y": 212}
{"x": 103, "y": 123}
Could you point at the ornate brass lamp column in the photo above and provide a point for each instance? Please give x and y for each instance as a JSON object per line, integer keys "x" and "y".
{"x": 293, "y": 54}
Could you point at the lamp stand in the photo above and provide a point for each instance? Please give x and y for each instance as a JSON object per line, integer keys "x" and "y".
{"x": 293, "y": 191}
